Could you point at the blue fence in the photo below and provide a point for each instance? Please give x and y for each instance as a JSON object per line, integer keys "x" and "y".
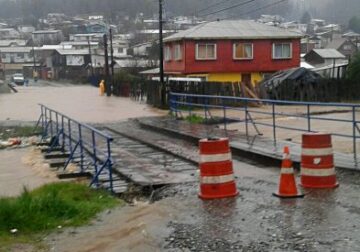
{"x": 190, "y": 104}
{"x": 87, "y": 146}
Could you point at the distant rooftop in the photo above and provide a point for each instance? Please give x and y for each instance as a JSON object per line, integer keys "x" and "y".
{"x": 72, "y": 52}
{"x": 46, "y": 31}
{"x": 233, "y": 29}
{"x": 329, "y": 53}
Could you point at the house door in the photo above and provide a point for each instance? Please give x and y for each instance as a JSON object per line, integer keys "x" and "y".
{"x": 246, "y": 79}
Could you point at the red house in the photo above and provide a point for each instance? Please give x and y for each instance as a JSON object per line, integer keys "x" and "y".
{"x": 231, "y": 50}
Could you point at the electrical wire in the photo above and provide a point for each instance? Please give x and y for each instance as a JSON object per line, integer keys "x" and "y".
{"x": 213, "y": 5}
{"x": 228, "y": 8}
{"x": 257, "y": 9}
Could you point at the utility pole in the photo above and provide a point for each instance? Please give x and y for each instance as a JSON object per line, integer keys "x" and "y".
{"x": 107, "y": 79}
{"x": 161, "y": 58}
{"x": 91, "y": 63}
{"x": 35, "y": 74}
{"x": 111, "y": 54}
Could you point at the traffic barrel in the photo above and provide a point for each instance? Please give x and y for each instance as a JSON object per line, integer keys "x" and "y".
{"x": 287, "y": 185}
{"x": 216, "y": 169}
{"x": 317, "y": 161}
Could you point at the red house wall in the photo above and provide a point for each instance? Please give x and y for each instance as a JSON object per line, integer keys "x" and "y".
{"x": 262, "y": 58}
{"x": 175, "y": 66}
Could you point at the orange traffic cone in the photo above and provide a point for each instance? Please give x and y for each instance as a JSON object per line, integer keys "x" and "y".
{"x": 287, "y": 186}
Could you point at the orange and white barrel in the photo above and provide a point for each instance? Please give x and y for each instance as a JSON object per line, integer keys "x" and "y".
{"x": 216, "y": 170}
{"x": 317, "y": 161}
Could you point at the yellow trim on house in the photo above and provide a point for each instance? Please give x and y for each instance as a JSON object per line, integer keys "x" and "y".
{"x": 233, "y": 77}
{"x": 224, "y": 77}
{"x": 227, "y": 77}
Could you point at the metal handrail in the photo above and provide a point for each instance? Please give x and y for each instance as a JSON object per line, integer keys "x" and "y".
{"x": 182, "y": 99}
{"x": 68, "y": 133}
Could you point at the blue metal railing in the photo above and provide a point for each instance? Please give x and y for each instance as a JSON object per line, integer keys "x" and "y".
{"x": 180, "y": 102}
{"x": 82, "y": 141}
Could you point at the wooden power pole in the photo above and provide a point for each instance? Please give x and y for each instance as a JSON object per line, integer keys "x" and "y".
{"x": 161, "y": 58}
{"x": 107, "y": 79}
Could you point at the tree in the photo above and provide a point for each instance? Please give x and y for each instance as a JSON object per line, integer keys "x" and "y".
{"x": 306, "y": 18}
{"x": 353, "y": 71}
{"x": 354, "y": 24}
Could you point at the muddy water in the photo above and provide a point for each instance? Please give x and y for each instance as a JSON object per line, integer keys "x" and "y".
{"x": 325, "y": 220}
{"x": 80, "y": 102}
{"x": 22, "y": 167}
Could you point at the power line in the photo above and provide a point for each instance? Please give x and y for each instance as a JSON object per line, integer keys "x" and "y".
{"x": 213, "y": 5}
{"x": 260, "y": 8}
{"x": 228, "y": 8}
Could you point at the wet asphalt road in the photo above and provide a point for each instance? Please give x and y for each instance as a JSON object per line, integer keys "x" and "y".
{"x": 325, "y": 220}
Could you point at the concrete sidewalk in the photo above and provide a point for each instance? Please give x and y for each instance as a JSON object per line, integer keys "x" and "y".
{"x": 258, "y": 147}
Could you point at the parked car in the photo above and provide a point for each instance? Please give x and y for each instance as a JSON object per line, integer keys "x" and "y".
{"x": 18, "y": 79}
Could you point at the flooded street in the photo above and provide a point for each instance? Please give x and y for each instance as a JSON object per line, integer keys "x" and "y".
{"x": 175, "y": 219}
{"x": 22, "y": 167}
{"x": 80, "y": 102}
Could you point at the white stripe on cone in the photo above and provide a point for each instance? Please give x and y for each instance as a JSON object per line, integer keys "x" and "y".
{"x": 317, "y": 172}
{"x": 287, "y": 170}
{"x": 317, "y": 152}
{"x": 215, "y": 157}
{"x": 217, "y": 179}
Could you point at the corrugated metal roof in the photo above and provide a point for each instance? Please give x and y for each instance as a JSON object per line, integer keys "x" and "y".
{"x": 329, "y": 53}
{"x": 15, "y": 49}
{"x": 233, "y": 29}
{"x": 46, "y": 31}
{"x": 72, "y": 52}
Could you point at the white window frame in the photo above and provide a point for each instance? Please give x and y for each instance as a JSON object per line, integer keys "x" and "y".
{"x": 206, "y": 44}
{"x": 177, "y": 52}
{"x": 281, "y": 43}
{"x": 245, "y": 43}
{"x": 167, "y": 53}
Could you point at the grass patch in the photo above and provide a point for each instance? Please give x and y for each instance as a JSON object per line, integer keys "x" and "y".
{"x": 50, "y": 206}
{"x": 195, "y": 119}
{"x": 18, "y": 131}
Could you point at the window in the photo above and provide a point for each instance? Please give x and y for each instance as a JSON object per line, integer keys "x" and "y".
{"x": 205, "y": 51}
{"x": 347, "y": 47}
{"x": 243, "y": 51}
{"x": 167, "y": 53}
{"x": 282, "y": 51}
{"x": 178, "y": 52}
{"x": 120, "y": 50}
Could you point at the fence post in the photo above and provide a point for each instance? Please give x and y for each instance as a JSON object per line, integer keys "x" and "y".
{"x": 110, "y": 164}
{"x": 274, "y": 123}
{"x": 308, "y": 117}
{"x": 246, "y": 119}
{"x": 70, "y": 140}
{"x": 51, "y": 124}
{"x": 63, "y": 132}
{"x": 81, "y": 149}
{"x": 354, "y": 133}
{"x": 42, "y": 117}
{"x": 95, "y": 157}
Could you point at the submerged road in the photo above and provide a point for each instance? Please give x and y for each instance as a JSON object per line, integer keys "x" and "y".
{"x": 325, "y": 220}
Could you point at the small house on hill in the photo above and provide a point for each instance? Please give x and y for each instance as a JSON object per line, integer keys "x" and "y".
{"x": 231, "y": 51}
{"x": 324, "y": 57}
{"x": 344, "y": 46}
